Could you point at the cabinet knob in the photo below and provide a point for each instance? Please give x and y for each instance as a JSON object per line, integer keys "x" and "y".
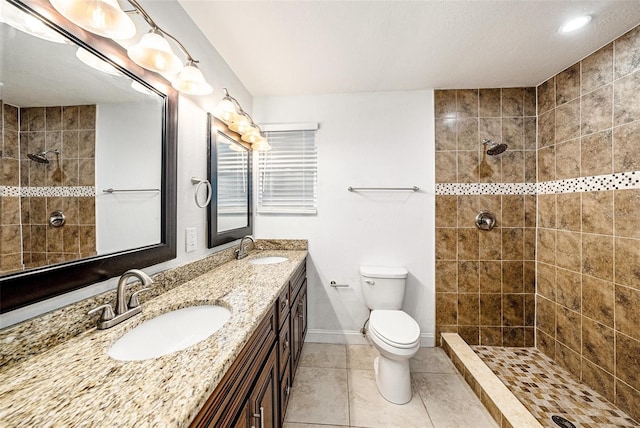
{"x": 284, "y": 304}
{"x": 285, "y": 345}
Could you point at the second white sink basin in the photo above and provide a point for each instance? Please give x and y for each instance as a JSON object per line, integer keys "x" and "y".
{"x": 169, "y": 333}
{"x": 268, "y": 260}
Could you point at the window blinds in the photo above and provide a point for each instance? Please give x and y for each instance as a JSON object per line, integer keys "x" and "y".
{"x": 287, "y": 179}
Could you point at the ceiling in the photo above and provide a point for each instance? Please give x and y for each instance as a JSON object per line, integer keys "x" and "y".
{"x": 316, "y": 47}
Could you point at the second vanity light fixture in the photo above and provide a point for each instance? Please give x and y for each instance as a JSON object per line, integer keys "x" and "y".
{"x": 153, "y": 52}
{"x": 230, "y": 112}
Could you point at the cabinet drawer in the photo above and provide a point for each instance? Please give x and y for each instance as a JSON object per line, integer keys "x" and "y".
{"x": 284, "y": 346}
{"x": 284, "y": 301}
{"x": 297, "y": 279}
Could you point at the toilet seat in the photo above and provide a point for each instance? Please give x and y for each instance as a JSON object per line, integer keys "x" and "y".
{"x": 395, "y": 328}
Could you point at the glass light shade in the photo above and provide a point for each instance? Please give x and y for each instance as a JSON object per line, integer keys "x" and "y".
{"x": 154, "y": 53}
{"x": 191, "y": 81}
{"x": 240, "y": 127}
{"x": 261, "y": 145}
{"x": 94, "y": 62}
{"x": 141, "y": 88}
{"x": 26, "y": 23}
{"x": 225, "y": 111}
{"x": 102, "y": 17}
{"x": 251, "y": 135}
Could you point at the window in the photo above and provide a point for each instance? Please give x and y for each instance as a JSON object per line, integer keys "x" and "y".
{"x": 288, "y": 173}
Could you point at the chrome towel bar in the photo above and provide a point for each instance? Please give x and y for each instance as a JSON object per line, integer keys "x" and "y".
{"x": 411, "y": 189}
{"x": 111, "y": 190}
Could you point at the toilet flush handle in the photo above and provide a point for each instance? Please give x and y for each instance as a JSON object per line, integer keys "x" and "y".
{"x": 370, "y": 281}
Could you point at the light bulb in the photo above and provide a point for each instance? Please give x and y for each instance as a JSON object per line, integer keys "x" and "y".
{"x": 261, "y": 145}
{"x": 94, "y": 62}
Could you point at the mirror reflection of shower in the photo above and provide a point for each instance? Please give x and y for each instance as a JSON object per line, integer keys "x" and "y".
{"x": 495, "y": 148}
{"x": 42, "y": 156}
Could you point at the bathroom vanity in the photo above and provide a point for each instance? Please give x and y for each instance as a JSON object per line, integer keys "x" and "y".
{"x": 239, "y": 376}
{"x": 255, "y": 390}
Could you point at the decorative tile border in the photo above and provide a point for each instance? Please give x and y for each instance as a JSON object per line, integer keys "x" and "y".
{"x": 485, "y": 189}
{"x": 59, "y": 191}
{"x": 618, "y": 181}
{"x": 621, "y": 180}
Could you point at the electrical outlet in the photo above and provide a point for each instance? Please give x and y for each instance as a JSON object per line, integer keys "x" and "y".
{"x": 191, "y": 239}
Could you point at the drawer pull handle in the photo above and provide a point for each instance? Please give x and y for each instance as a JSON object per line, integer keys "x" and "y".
{"x": 284, "y": 304}
{"x": 260, "y": 416}
{"x": 287, "y": 390}
{"x": 286, "y": 345}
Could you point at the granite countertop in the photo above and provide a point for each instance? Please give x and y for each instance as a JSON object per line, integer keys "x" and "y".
{"x": 77, "y": 384}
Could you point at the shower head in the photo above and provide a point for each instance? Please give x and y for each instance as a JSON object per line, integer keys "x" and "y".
{"x": 42, "y": 156}
{"x": 495, "y": 149}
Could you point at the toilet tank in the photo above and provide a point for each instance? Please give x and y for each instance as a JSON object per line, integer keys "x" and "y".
{"x": 383, "y": 287}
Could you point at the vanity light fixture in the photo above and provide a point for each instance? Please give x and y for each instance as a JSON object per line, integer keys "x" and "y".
{"x": 94, "y": 62}
{"x": 26, "y": 23}
{"x": 152, "y": 52}
{"x": 575, "y": 24}
{"x": 230, "y": 112}
{"x": 141, "y": 88}
{"x": 102, "y": 17}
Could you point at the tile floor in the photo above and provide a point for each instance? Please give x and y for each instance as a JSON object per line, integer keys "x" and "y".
{"x": 546, "y": 389}
{"x": 335, "y": 387}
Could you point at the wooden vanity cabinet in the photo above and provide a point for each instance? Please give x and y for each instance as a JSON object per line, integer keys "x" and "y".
{"x": 254, "y": 392}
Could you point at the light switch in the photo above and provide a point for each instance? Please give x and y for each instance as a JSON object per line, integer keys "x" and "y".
{"x": 191, "y": 239}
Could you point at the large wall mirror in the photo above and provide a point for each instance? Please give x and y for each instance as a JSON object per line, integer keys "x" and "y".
{"x": 230, "y": 176}
{"x": 87, "y": 156}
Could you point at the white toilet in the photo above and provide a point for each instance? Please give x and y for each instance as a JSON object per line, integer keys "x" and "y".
{"x": 393, "y": 332}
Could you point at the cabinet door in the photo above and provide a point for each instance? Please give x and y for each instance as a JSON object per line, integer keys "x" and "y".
{"x": 303, "y": 313}
{"x": 264, "y": 397}
{"x": 244, "y": 420}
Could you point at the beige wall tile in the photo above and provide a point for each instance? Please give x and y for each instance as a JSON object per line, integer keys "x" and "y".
{"x": 569, "y": 359}
{"x": 491, "y": 310}
{"x": 597, "y": 212}
{"x": 446, "y": 243}
{"x": 446, "y": 211}
{"x": 568, "y": 121}
{"x": 546, "y": 321}
{"x": 468, "y": 277}
{"x": 491, "y": 336}
{"x": 490, "y": 243}
{"x": 597, "y": 256}
{"x": 627, "y": 261}
{"x": 597, "y": 107}
{"x": 598, "y": 344}
{"x": 568, "y": 159}
{"x": 598, "y": 379}
{"x": 597, "y": 69}
{"x": 468, "y": 248}
{"x": 547, "y": 246}
{"x": 470, "y": 334}
{"x": 627, "y": 360}
{"x": 545, "y": 343}
{"x": 512, "y": 243}
{"x": 446, "y": 276}
{"x": 530, "y": 101}
{"x": 513, "y": 169}
{"x": 625, "y": 147}
{"x": 467, "y": 103}
{"x": 490, "y": 277}
{"x": 628, "y": 399}
{"x": 513, "y": 132}
{"x": 547, "y": 96}
{"x": 446, "y": 167}
{"x": 627, "y": 52}
{"x": 468, "y": 309}
{"x": 513, "y": 276}
{"x": 512, "y": 102}
{"x": 626, "y": 214}
{"x": 490, "y": 102}
{"x": 568, "y": 328}
{"x": 467, "y": 164}
{"x": 569, "y": 286}
{"x": 596, "y": 154}
{"x": 627, "y": 314}
{"x": 568, "y": 207}
{"x": 512, "y": 211}
{"x": 546, "y": 281}
{"x": 445, "y": 103}
{"x": 468, "y": 207}
{"x": 513, "y": 310}
{"x": 547, "y": 164}
{"x": 547, "y": 129}
{"x": 598, "y": 300}
{"x": 568, "y": 250}
{"x": 513, "y": 336}
{"x": 568, "y": 84}
{"x": 446, "y": 309}
{"x": 445, "y": 134}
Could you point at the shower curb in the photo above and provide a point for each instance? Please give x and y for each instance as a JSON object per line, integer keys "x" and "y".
{"x": 503, "y": 406}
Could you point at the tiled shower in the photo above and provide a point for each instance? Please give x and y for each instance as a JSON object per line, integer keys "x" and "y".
{"x": 30, "y": 191}
{"x": 580, "y": 242}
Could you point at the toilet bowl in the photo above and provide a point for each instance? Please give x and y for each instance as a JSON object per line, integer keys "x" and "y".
{"x": 397, "y": 337}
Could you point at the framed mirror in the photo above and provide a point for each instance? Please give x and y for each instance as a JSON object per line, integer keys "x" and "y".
{"x": 88, "y": 154}
{"x": 230, "y": 211}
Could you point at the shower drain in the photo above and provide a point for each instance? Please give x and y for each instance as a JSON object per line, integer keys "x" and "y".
{"x": 562, "y": 422}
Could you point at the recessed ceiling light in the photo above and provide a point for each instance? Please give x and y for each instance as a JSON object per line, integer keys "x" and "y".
{"x": 575, "y": 23}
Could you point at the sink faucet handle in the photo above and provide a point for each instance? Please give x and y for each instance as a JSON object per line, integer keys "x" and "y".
{"x": 133, "y": 300}
{"x": 107, "y": 312}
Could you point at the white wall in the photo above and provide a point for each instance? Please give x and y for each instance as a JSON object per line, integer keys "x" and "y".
{"x": 128, "y": 145}
{"x": 369, "y": 140}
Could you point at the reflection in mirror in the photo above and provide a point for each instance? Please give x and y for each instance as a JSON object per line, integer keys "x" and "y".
{"x": 233, "y": 187}
{"x": 73, "y": 127}
{"x": 230, "y": 176}
{"x": 87, "y": 158}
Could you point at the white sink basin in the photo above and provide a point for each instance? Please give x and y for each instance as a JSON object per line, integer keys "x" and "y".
{"x": 169, "y": 333}
{"x": 268, "y": 260}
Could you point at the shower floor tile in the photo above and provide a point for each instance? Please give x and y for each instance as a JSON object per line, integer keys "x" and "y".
{"x": 546, "y": 389}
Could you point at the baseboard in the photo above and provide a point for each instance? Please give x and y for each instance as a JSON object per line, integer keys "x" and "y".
{"x": 342, "y": 337}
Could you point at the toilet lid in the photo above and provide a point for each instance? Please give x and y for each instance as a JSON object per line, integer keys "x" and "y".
{"x": 396, "y": 328}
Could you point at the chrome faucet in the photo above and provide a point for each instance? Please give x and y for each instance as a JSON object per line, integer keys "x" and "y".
{"x": 242, "y": 250}
{"x": 123, "y": 311}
